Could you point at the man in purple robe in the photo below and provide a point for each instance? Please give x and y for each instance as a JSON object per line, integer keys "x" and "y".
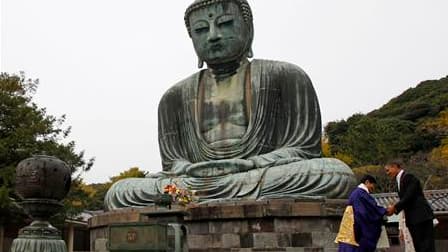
{"x": 368, "y": 218}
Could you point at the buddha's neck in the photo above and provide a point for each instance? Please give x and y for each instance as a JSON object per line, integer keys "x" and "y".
{"x": 225, "y": 70}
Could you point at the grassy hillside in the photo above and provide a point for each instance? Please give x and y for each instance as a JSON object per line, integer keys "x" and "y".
{"x": 412, "y": 127}
{"x": 427, "y": 99}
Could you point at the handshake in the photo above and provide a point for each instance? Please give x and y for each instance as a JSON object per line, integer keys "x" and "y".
{"x": 390, "y": 210}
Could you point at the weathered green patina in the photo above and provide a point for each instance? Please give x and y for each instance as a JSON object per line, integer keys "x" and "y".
{"x": 240, "y": 128}
{"x": 41, "y": 182}
{"x": 138, "y": 237}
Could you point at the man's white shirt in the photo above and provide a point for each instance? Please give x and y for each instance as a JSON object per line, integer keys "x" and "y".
{"x": 398, "y": 178}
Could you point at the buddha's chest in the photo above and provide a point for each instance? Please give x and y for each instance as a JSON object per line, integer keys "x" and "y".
{"x": 224, "y": 105}
{"x": 223, "y": 109}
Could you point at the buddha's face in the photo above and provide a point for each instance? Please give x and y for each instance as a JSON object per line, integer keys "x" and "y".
{"x": 219, "y": 33}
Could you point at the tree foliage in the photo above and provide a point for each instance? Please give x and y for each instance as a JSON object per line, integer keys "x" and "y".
{"x": 368, "y": 140}
{"x": 26, "y": 130}
{"x": 133, "y": 172}
{"x": 426, "y": 100}
{"x": 413, "y": 126}
{"x": 91, "y": 196}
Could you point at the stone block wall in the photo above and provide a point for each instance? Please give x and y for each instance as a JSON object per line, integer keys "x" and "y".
{"x": 260, "y": 234}
{"x": 270, "y": 225}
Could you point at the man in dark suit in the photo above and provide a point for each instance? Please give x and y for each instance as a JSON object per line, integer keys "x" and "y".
{"x": 419, "y": 215}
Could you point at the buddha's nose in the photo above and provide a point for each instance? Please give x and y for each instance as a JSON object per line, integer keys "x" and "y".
{"x": 214, "y": 34}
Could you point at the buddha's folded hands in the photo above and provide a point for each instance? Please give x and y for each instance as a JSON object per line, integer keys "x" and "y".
{"x": 219, "y": 167}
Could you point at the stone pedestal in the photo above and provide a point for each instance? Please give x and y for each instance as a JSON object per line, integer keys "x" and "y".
{"x": 269, "y": 225}
{"x": 42, "y": 182}
{"x": 162, "y": 226}
{"x": 39, "y": 236}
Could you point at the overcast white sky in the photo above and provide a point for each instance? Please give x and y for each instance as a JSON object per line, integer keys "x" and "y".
{"x": 106, "y": 63}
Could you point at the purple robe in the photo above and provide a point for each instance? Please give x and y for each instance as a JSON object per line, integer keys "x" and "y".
{"x": 368, "y": 218}
{"x": 344, "y": 247}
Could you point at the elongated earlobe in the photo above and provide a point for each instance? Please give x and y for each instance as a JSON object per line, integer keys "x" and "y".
{"x": 200, "y": 63}
{"x": 250, "y": 54}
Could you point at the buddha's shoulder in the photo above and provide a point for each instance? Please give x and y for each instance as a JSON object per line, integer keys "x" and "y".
{"x": 284, "y": 72}
{"x": 274, "y": 66}
{"x": 182, "y": 86}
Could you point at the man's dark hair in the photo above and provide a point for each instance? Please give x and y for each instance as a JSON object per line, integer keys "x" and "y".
{"x": 396, "y": 163}
{"x": 369, "y": 178}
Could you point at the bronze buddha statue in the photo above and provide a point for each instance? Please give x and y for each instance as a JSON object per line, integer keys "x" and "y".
{"x": 239, "y": 128}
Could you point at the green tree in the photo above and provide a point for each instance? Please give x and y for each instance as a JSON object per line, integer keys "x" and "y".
{"x": 133, "y": 172}
{"x": 412, "y": 127}
{"x": 369, "y": 140}
{"x": 425, "y": 100}
{"x": 91, "y": 196}
{"x": 333, "y": 133}
{"x": 26, "y": 130}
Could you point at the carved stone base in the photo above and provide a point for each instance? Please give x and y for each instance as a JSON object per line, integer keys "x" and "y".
{"x": 38, "y": 245}
{"x": 37, "y": 237}
{"x": 270, "y": 225}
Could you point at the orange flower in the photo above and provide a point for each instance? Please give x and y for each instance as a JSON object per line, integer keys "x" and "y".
{"x": 171, "y": 189}
{"x": 179, "y": 195}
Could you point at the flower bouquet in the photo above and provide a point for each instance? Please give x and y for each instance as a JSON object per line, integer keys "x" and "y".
{"x": 179, "y": 195}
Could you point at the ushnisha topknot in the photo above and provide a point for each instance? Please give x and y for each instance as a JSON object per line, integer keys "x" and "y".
{"x": 243, "y": 4}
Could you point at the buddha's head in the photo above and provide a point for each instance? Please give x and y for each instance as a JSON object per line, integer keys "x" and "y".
{"x": 221, "y": 30}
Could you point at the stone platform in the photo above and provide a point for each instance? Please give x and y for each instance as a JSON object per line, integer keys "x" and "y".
{"x": 239, "y": 226}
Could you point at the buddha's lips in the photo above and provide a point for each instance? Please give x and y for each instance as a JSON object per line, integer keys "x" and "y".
{"x": 216, "y": 47}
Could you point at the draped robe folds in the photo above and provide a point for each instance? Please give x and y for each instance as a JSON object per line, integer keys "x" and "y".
{"x": 367, "y": 222}
{"x": 283, "y": 139}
